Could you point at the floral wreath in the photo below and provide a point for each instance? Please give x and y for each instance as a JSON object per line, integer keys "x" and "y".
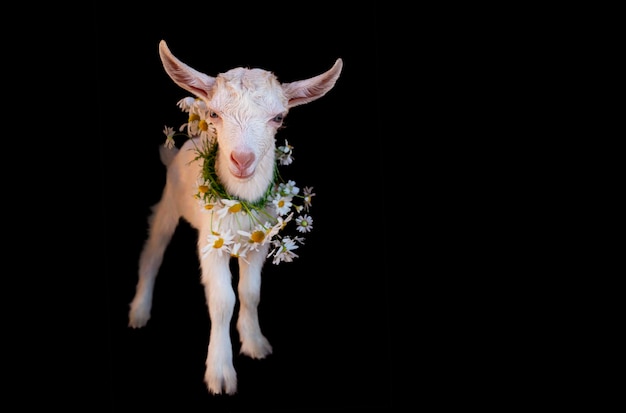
{"x": 213, "y": 198}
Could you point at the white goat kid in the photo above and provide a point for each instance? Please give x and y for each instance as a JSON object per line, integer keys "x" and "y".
{"x": 246, "y": 107}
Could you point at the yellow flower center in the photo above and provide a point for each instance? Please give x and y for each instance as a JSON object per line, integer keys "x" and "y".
{"x": 235, "y": 208}
{"x": 203, "y": 189}
{"x": 218, "y": 243}
{"x": 203, "y": 125}
{"x": 281, "y": 203}
{"x": 257, "y": 236}
{"x": 193, "y": 117}
{"x": 208, "y": 206}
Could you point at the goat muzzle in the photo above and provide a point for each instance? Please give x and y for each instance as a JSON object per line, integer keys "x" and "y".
{"x": 242, "y": 164}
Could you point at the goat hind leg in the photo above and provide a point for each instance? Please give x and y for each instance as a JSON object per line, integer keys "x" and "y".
{"x": 162, "y": 224}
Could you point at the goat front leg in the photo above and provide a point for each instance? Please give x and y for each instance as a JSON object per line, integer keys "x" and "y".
{"x": 162, "y": 224}
{"x": 220, "y": 375}
{"x": 253, "y": 342}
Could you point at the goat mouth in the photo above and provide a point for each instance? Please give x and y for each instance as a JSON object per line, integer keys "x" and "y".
{"x": 244, "y": 176}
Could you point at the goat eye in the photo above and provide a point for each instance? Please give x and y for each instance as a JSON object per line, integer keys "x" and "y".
{"x": 278, "y": 118}
{"x": 213, "y": 115}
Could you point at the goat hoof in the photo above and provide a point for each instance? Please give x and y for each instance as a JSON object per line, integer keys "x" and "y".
{"x": 224, "y": 382}
{"x": 138, "y": 317}
{"x": 256, "y": 349}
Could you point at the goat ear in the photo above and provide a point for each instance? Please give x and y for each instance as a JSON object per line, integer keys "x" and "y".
{"x": 305, "y": 91}
{"x": 184, "y": 76}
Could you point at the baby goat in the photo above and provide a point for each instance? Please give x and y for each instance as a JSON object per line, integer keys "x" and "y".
{"x": 246, "y": 107}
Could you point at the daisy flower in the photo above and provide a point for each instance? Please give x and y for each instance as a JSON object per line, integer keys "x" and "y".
{"x": 305, "y": 223}
{"x": 230, "y": 206}
{"x": 191, "y": 125}
{"x": 288, "y": 188}
{"x": 169, "y": 137}
{"x": 282, "y": 204}
{"x": 259, "y": 236}
{"x": 206, "y": 206}
{"x": 239, "y": 250}
{"x": 283, "y": 154}
{"x": 218, "y": 243}
{"x": 279, "y": 226}
{"x": 308, "y": 196}
{"x": 283, "y": 250}
{"x": 205, "y": 129}
{"x": 185, "y": 104}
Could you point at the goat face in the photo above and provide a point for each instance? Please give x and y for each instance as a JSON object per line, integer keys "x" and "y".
{"x": 247, "y": 107}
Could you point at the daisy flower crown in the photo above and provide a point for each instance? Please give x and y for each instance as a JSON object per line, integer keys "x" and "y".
{"x": 282, "y": 197}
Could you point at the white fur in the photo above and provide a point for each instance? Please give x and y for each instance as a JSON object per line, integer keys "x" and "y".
{"x": 247, "y": 102}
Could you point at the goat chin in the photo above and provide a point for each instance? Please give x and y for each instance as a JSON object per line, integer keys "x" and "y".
{"x": 233, "y": 105}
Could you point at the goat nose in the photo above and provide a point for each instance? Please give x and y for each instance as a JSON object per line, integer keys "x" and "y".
{"x": 243, "y": 159}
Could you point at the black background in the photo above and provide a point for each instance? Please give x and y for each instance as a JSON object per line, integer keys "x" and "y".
{"x": 419, "y": 139}
{"x": 326, "y": 314}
